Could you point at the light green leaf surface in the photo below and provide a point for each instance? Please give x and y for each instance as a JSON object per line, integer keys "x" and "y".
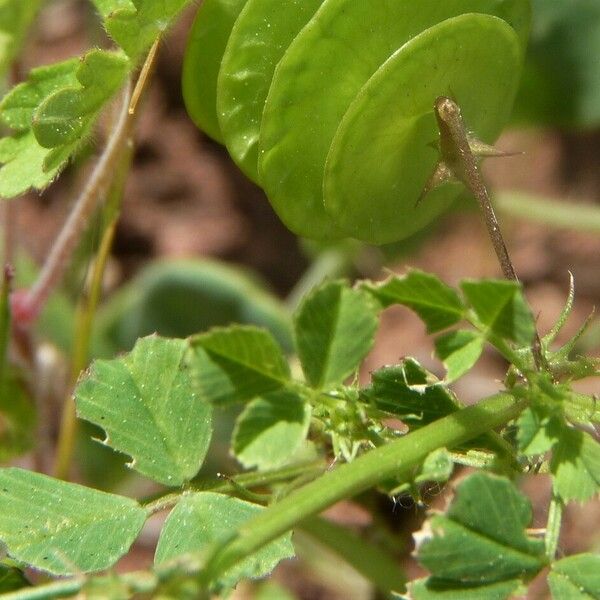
{"x": 65, "y": 116}
{"x": 576, "y": 578}
{"x": 481, "y": 539}
{"x": 150, "y": 408}
{"x": 436, "y": 303}
{"x": 258, "y": 40}
{"x": 383, "y": 152}
{"x": 319, "y": 76}
{"x": 459, "y": 351}
{"x": 135, "y": 24}
{"x": 199, "y": 521}
{"x": 335, "y": 328}
{"x": 501, "y": 308}
{"x": 203, "y": 55}
{"x": 575, "y": 465}
{"x": 270, "y": 430}
{"x": 64, "y": 528}
{"x": 433, "y": 589}
{"x": 237, "y": 364}
{"x": 537, "y": 432}
{"x": 410, "y": 393}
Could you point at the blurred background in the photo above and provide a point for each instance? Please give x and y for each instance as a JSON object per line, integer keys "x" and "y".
{"x": 198, "y": 245}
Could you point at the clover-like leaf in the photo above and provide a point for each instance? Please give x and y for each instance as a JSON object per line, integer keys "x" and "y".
{"x": 481, "y": 539}
{"x": 270, "y": 430}
{"x": 64, "y": 528}
{"x": 576, "y": 577}
{"x": 149, "y": 406}
{"x": 459, "y": 351}
{"x": 575, "y": 465}
{"x": 501, "y": 308}
{"x": 410, "y": 393}
{"x": 335, "y": 328}
{"x": 437, "y": 304}
{"x": 238, "y": 363}
{"x": 202, "y": 520}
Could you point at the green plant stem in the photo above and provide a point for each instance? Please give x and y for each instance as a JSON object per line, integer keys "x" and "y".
{"x": 247, "y": 480}
{"x": 57, "y": 589}
{"x": 555, "y": 512}
{"x": 4, "y": 321}
{"x": 398, "y": 459}
{"x": 567, "y": 215}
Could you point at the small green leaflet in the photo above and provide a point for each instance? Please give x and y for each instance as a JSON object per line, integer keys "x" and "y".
{"x": 437, "y": 304}
{"x": 270, "y": 430}
{"x": 64, "y": 528}
{"x": 410, "y": 393}
{"x": 135, "y": 24}
{"x": 459, "y": 351}
{"x": 151, "y": 410}
{"x": 200, "y": 521}
{"x": 335, "y": 328}
{"x": 481, "y": 540}
{"x": 576, "y": 577}
{"x": 238, "y": 363}
{"x": 538, "y": 431}
{"x": 575, "y": 465}
{"x": 501, "y": 308}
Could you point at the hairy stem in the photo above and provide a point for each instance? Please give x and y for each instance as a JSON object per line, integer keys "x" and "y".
{"x": 398, "y": 460}
{"x": 551, "y": 538}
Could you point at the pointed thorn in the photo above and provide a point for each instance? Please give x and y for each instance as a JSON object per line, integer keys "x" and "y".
{"x": 483, "y": 150}
{"x": 442, "y": 174}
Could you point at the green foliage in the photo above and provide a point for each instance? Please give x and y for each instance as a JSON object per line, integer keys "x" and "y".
{"x": 334, "y": 328}
{"x": 150, "y": 408}
{"x": 15, "y": 18}
{"x": 197, "y": 524}
{"x": 17, "y": 417}
{"x": 64, "y": 528}
{"x": 576, "y": 577}
{"x": 459, "y": 351}
{"x": 479, "y": 542}
{"x": 331, "y": 177}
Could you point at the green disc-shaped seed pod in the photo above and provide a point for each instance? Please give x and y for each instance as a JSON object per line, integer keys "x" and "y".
{"x": 320, "y": 75}
{"x": 383, "y": 152}
{"x": 204, "y": 52}
{"x": 259, "y": 38}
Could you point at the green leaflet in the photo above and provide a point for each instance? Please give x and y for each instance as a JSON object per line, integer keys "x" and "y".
{"x": 237, "y": 364}
{"x": 270, "y": 430}
{"x": 64, "y": 528}
{"x": 481, "y": 540}
{"x": 576, "y": 577}
{"x": 335, "y": 328}
{"x": 200, "y": 521}
{"x": 150, "y": 408}
{"x": 459, "y": 351}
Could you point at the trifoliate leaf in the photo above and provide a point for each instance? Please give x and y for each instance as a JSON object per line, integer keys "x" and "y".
{"x": 238, "y": 363}
{"x": 335, "y": 329}
{"x": 150, "y": 409}
{"x": 575, "y": 465}
{"x": 481, "y": 540}
{"x": 270, "y": 430}
{"x": 576, "y": 577}
{"x": 199, "y": 521}
{"x": 501, "y": 308}
{"x": 65, "y": 116}
{"x": 459, "y": 351}
{"x": 437, "y": 304}
{"x": 64, "y": 528}
{"x": 410, "y": 393}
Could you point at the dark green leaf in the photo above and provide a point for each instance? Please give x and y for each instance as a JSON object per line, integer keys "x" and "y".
{"x": 459, "y": 351}
{"x": 64, "y": 528}
{"x": 11, "y": 579}
{"x": 576, "y": 578}
{"x": 409, "y": 392}
{"x": 501, "y": 308}
{"x": 438, "y": 305}
{"x": 237, "y": 364}
{"x": 151, "y": 410}
{"x": 270, "y": 430}
{"x": 481, "y": 539}
{"x": 201, "y": 520}
{"x": 576, "y": 466}
{"x": 335, "y": 328}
